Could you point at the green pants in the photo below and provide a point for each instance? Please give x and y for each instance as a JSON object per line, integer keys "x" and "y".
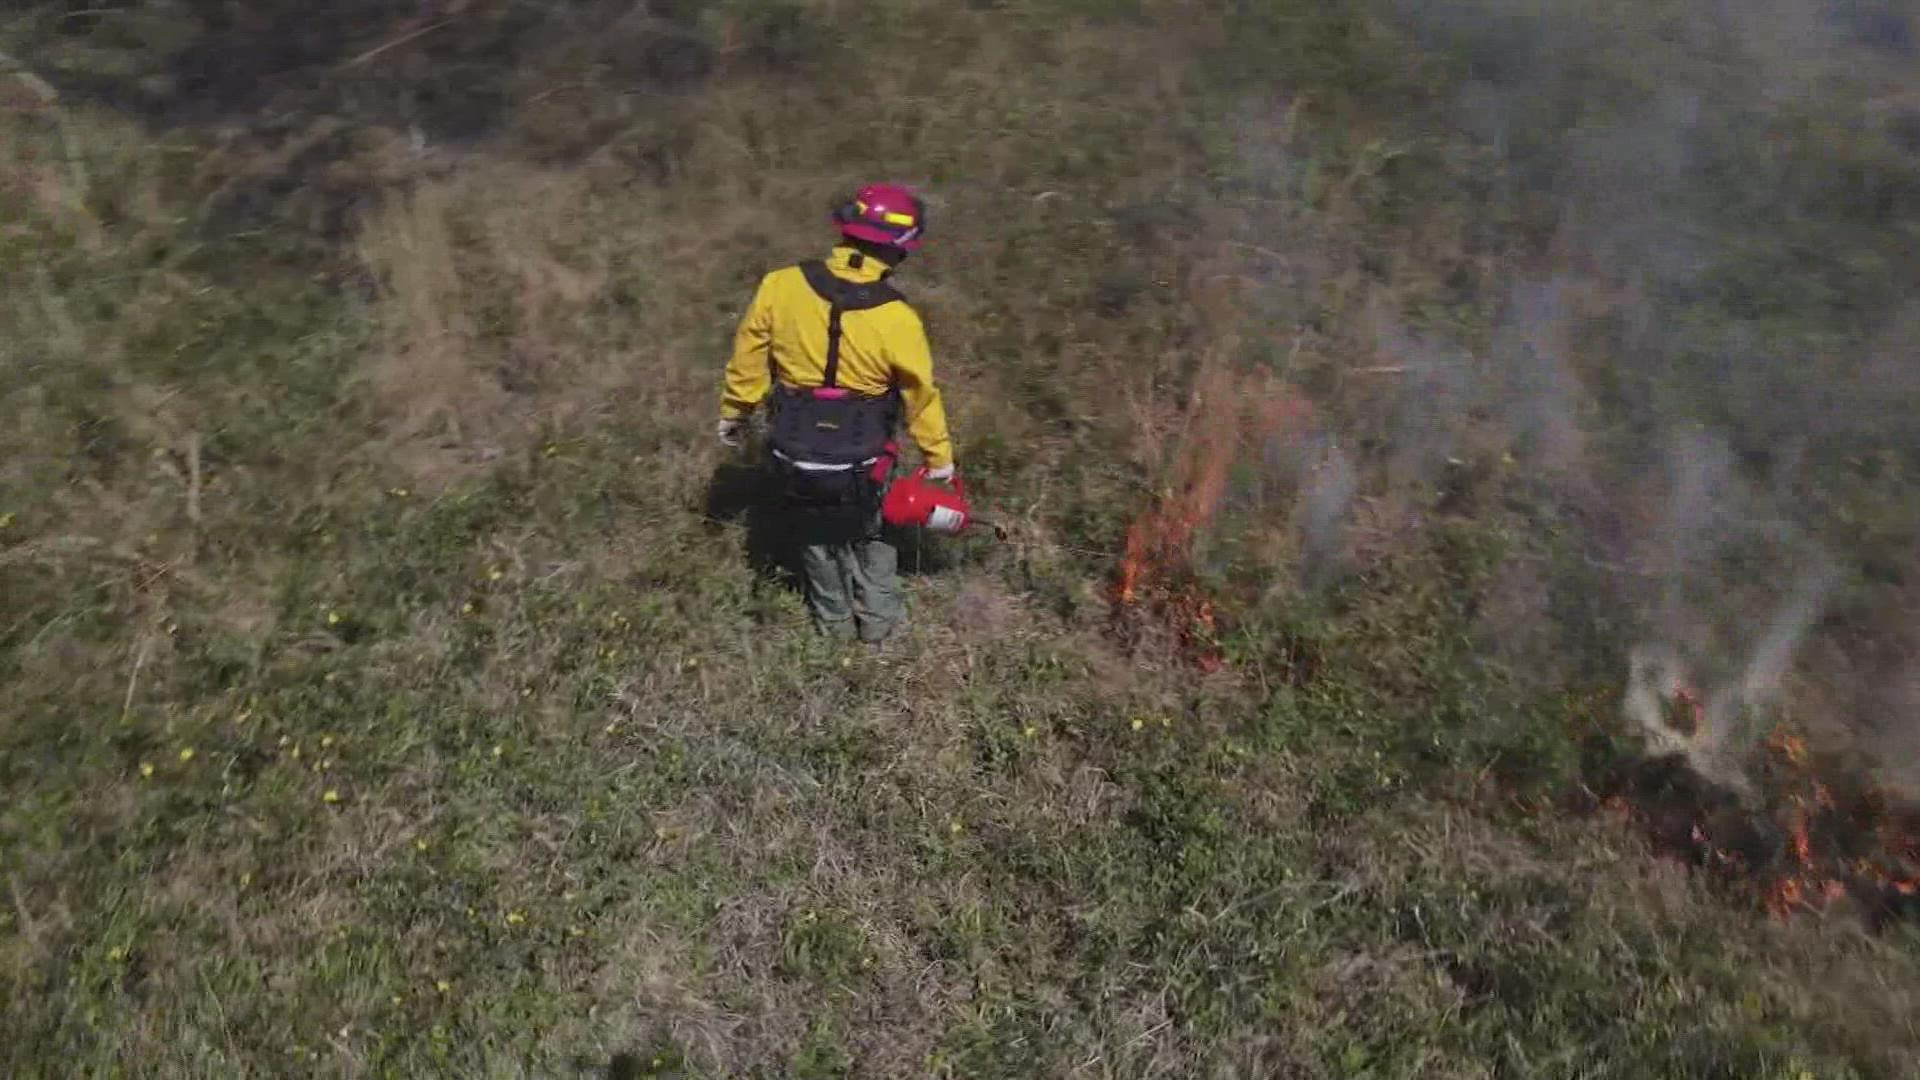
{"x": 853, "y": 584}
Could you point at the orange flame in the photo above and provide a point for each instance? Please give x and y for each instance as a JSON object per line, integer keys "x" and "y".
{"x": 1802, "y": 843}
{"x": 1818, "y": 880}
{"x": 1840, "y": 842}
{"x": 1157, "y": 559}
{"x": 1686, "y": 711}
{"x": 1788, "y": 745}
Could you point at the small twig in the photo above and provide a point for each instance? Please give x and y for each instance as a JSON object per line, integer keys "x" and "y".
{"x": 27, "y": 928}
{"x": 1078, "y": 551}
{"x": 1148, "y": 1034}
{"x": 1258, "y": 250}
{"x": 1392, "y": 370}
{"x": 193, "y": 478}
{"x": 1344, "y": 891}
{"x": 133, "y": 680}
{"x": 394, "y": 44}
{"x": 219, "y": 1010}
{"x": 552, "y": 90}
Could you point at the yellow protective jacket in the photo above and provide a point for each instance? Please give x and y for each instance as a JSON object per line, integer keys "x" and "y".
{"x": 882, "y": 348}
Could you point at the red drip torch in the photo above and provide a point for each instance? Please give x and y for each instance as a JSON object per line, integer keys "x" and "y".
{"x": 915, "y": 501}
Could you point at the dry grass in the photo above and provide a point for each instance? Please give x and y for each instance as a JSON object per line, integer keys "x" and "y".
{"x": 384, "y": 699}
{"x": 427, "y": 374}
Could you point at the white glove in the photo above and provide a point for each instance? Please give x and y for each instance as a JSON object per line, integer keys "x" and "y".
{"x": 943, "y": 474}
{"x": 732, "y": 430}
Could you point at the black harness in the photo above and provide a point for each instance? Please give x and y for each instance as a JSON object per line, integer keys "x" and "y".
{"x": 825, "y": 439}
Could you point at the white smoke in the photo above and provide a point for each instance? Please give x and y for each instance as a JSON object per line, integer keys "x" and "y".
{"x": 1702, "y": 657}
{"x": 1327, "y": 489}
{"x": 1723, "y": 723}
{"x": 1543, "y": 395}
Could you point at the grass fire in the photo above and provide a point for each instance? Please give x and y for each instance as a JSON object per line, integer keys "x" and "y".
{"x": 1803, "y": 833}
{"x": 1459, "y": 463}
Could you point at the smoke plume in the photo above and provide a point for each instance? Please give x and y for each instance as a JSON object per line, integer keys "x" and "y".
{"x": 1696, "y": 362}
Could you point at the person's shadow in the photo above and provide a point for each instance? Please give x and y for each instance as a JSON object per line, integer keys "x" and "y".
{"x": 747, "y": 493}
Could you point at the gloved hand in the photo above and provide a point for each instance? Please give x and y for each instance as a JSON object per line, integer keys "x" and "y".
{"x": 732, "y": 430}
{"x": 944, "y": 473}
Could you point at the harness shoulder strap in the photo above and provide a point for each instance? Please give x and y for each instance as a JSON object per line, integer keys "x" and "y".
{"x": 841, "y": 296}
{"x": 848, "y": 295}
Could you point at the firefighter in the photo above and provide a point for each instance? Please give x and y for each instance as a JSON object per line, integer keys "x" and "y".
{"x": 842, "y": 361}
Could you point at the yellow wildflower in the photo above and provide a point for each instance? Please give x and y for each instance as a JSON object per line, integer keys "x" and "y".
{"x": 516, "y": 918}
{"x": 146, "y": 769}
{"x": 332, "y": 796}
{"x": 1138, "y": 723}
{"x": 333, "y": 618}
{"x": 186, "y": 753}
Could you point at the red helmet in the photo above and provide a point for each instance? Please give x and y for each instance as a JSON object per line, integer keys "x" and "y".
{"x": 884, "y": 214}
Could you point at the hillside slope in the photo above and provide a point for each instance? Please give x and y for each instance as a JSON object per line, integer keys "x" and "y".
{"x": 1372, "y": 389}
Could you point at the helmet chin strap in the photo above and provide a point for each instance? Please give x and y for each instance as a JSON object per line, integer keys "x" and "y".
{"x": 885, "y": 254}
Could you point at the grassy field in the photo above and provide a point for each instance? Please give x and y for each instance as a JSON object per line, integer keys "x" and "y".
{"x": 388, "y": 688}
